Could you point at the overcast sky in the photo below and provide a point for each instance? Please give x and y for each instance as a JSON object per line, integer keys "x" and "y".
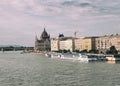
{"x": 20, "y": 20}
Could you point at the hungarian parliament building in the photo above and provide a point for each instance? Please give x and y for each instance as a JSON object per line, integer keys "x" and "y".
{"x": 42, "y": 44}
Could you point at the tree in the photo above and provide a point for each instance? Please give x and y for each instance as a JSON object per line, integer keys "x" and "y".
{"x": 83, "y": 51}
{"x": 112, "y": 50}
{"x": 65, "y": 51}
{"x": 93, "y": 51}
{"x": 77, "y": 51}
{"x": 60, "y": 51}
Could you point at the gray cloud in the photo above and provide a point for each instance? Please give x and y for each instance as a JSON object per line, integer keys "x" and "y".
{"x": 21, "y": 19}
{"x": 76, "y": 3}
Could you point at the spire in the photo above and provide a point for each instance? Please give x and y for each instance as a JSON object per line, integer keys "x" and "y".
{"x": 36, "y": 38}
{"x": 49, "y": 35}
{"x": 44, "y": 29}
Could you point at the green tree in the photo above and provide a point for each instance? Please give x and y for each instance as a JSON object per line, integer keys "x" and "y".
{"x": 112, "y": 50}
{"x": 65, "y": 51}
{"x": 84, "y": 51}
{"x": 59, "y": 51}
{"x": 77, "y": 51}
{"x": 93, "y": 51}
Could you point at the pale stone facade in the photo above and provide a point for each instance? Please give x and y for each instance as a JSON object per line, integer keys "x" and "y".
{"x": 78, "y": 44}
{"x": 104, "y": 43}
{"x": 66, "y": 44}
{"x": 88, "y": 43}
{"x": 115, "y": 41}
{"x": 62, "y": 43}
{"x": 54, "y": 44}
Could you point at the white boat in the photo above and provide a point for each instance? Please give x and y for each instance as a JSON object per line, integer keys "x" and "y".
{"x": 47, "y": 54}
{"x": 75, "y": 57}
{"x": 68, "y": 56}
{"x": 113, "y": 57}
{"x": 56, "y": 55}
{"x": 87, "y": 57}
{"x": 65, "y": 56}
{"x": 83, "y": 58}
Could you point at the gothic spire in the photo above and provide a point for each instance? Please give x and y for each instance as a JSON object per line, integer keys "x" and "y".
{"x": 36, "y": 38}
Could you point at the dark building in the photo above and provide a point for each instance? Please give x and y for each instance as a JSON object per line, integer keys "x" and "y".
{"x": 44, "y": 43}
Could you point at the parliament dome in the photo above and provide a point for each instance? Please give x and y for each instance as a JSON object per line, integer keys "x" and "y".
{"x": 44, "y": 35}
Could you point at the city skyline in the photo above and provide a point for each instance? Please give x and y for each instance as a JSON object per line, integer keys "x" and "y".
{"x": 21, "y": 20}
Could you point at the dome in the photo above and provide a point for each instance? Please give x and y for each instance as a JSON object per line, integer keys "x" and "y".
{"x": 61, "y": 35}
{"x": 44, "y": 35}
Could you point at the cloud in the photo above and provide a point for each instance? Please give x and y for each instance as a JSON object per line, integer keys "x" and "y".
{"x": 76, "y": 3}
{"x": 21, "y": 19}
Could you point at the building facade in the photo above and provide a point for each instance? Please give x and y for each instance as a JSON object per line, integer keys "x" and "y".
{"x": 71, "y": 43}
{"x": 54, "y": 44}
{"x": 78, "y": 44}
{"x": 115, "y": 41}
{"x": 67, "y": 43}
{"x": 44, "y": 43}
{"x": 104, "y": 43}
{"x": 88, "y": 43}
{"x": 62, "y": 43}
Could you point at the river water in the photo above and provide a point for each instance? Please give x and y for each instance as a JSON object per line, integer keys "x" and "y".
{"x": 36, "y": 70}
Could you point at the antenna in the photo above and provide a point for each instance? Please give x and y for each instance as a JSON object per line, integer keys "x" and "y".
{"x": 75, "y": 33}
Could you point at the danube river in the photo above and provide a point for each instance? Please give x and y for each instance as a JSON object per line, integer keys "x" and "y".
{"x": 36, "y": 70}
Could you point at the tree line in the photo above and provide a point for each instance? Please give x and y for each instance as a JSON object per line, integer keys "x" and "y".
{"x": 112, "y": 50}
{"x": 12, "y": 48}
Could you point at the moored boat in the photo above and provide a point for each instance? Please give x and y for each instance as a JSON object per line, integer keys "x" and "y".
{"x": 113, "y": 57}
{"x": 87, "y": 57}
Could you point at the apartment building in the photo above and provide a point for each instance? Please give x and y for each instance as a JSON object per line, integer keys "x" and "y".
{"x": 88, "y": 43}
{"x": 78, "y": 44}
{"x": 54, "y": 44}
{"x": 104, "y": 43}
{"x": 62, "y": 43}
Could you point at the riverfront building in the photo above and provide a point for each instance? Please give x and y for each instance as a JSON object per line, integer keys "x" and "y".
{"x": 87, "y": 43}
{"x": 71, "y": 43}
{"x": 67, "y": 43}
{"x": 54, "y": 44}
{"x": 44, "y": 43}
{"x": 62, "y": 43}
{"x": 115, "y": 41}
{"x": 78, "y": 44}
{"x": 103, "y": 43}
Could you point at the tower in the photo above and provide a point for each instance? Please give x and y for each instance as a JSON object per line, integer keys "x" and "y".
{"x": 36, "y": 44}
